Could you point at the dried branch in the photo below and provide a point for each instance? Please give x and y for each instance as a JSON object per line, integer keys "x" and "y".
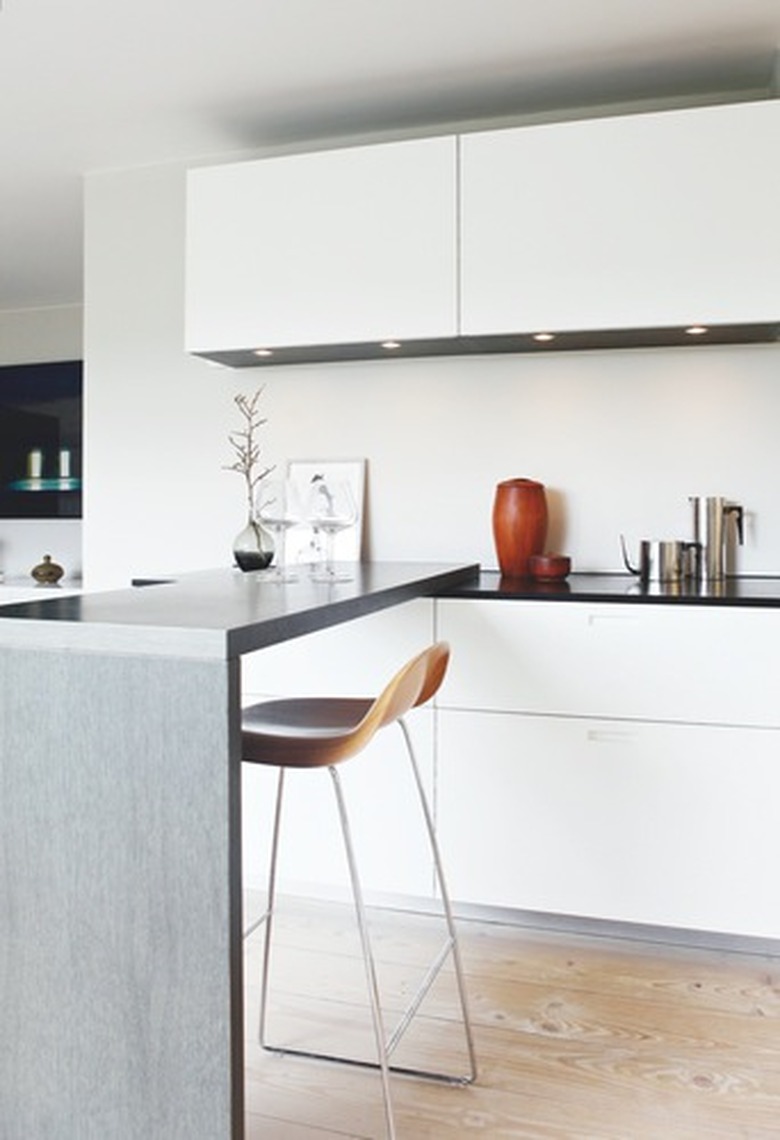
{"x": 247, "y": 448}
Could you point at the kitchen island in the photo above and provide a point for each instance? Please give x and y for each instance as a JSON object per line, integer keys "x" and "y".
{"x": 120, "y": 877}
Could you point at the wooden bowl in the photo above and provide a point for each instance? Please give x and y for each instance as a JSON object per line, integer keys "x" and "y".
{"x": 549, "y": 567}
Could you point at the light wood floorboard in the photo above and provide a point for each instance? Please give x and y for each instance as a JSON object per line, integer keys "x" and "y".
{"x": 578, "y": 1038}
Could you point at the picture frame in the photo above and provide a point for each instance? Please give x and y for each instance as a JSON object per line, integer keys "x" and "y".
{"x": 302, "y": 545}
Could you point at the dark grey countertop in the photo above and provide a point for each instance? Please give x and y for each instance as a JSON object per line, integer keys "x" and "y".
{"x": 619, "y": 587}
{"x": 225, "y": 613}
{"x": 218, "y": 613}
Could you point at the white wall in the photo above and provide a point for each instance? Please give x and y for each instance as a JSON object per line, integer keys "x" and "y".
{"x": 34, "y": 336}
{"x": 620, "y": 438}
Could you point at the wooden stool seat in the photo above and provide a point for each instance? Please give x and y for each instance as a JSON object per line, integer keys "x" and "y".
{"x": 306, "y": 732}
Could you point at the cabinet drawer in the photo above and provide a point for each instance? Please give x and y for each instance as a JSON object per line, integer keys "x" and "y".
{"x": 655, "y": 662}
{"x": 670, "y": 825}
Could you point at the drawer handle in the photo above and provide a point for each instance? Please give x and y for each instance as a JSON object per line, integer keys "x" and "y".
{"x": 610, "y": 735}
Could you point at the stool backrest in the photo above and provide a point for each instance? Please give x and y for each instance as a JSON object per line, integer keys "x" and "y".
{"x": 437, "y": 658}
{"x": 414, "y": 684}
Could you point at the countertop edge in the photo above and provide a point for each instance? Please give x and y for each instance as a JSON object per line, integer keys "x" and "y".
{"x": 286, "y": 627}
{"x": 751, "y": 591}
{"x": 215, "y": 615}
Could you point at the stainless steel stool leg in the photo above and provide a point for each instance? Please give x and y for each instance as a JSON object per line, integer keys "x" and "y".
{"x": 268, "y": 917}
{"x": 446, "y": 904}
{"x": 382, "y": 1062}
{"x": 368, "y": 956}
{"x": 384, "y": 1046}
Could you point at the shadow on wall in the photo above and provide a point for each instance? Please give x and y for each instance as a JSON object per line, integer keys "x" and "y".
{"x": 556, "y": 525}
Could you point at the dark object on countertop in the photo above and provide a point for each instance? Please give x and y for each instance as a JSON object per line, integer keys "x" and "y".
{"x": 253, "y": 548}
{"x": 47, "y": 573}
{"x": 519, "y": 524}
{"x": 549, "y": 567}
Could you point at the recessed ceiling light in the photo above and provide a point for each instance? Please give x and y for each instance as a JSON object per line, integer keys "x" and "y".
{"x": 262, "y": 352}
{"x": 543, "y": 336}
{"x": 697, "y": 330}
{"x": 391, "y": 344}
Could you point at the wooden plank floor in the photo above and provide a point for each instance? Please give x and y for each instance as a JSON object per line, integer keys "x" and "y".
{"x": 578, "y": 1038}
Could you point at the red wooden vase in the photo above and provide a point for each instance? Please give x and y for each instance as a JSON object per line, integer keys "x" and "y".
{"x": 519, "y": 524}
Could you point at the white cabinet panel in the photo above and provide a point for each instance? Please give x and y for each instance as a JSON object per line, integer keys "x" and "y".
{"x": 633, "y": 221}
{"x": 662, "y": 824}
{"x": 654, "y": 662}
{"x": 354, "y": 658}
{"x": 340, "y": 246}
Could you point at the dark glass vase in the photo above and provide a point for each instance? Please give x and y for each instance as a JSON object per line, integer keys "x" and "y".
{"x": 253, "y": 548}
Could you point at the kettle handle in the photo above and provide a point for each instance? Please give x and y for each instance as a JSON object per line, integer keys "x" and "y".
{"x": 739, "y": 516}
{"x": 631, "y": 569}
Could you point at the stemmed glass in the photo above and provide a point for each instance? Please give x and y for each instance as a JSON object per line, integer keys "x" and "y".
{"x": 279, "y": 508}
{"x": 330, "y": 509}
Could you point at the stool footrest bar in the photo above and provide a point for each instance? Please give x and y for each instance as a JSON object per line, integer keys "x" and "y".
{"x": 358, "y": 1063}
{"x": 408, "y": 1015}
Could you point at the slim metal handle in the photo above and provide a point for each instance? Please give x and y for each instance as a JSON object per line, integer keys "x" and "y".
{"x": 610, "y": 735}
{"x": 739, "y": 515}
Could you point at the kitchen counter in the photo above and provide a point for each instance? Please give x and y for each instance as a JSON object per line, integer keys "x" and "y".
{"x": 25, "y": 589}
{"x": 605, "y": 587}
{"x": 121, "y": 988}
{"x": 220, "y": 613}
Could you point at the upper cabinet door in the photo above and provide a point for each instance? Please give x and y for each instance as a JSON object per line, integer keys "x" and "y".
{"x": 341, "y": 246}
{"x": 637, "y": 221}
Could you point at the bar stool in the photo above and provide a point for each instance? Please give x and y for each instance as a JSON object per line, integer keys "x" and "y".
{"x": 314, "y": 732}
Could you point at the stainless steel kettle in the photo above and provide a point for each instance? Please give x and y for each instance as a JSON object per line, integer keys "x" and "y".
{"x": 662, "y": 560}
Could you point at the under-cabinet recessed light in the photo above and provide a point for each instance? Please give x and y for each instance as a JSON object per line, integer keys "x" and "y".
{"x": 262, "y": 352}
{"x": 697, "y": 330}
{"x": 391, "y": 344}
{"x": 543, "y": 336}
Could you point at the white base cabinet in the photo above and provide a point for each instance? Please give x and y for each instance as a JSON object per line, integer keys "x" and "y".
{"x": 613, "y": 762}
{"x": 668, "y": 825}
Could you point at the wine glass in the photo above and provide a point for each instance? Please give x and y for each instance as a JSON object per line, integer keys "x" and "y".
{"x": 331, "y": 508}
{"x": 279, "y": 508}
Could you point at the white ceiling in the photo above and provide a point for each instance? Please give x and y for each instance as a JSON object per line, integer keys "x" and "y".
{"x": 97, "y": 84}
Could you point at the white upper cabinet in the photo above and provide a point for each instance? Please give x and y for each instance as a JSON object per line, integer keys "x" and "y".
{"x": 340, "y": 246}
{"x": 636, "y": 221}
{"x": 643, "y": 221}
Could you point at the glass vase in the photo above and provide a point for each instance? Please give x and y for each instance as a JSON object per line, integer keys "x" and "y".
{"x": 253, "y": 548}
